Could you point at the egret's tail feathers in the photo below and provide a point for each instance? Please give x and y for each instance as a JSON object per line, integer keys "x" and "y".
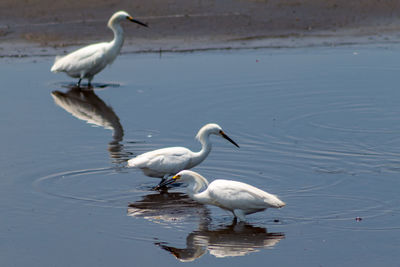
{"x": 55, "y": 67}
{"x": 131, "y": 163}
{"x": 137, "y": 162}
{"x": 281, "y": 204}
{"x": 275, "y": 202}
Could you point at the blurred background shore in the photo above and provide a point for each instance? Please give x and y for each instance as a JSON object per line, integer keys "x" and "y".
{"x": 47, "y": 27}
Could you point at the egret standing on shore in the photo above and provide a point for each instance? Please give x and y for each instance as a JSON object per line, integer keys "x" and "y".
{"x": 86, "y": 62}
{"x": 239, "y": 198}
{"x": 165, "y": 162}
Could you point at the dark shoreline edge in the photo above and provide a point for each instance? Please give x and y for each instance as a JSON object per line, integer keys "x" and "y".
{"x": 27, "y": 49}
{"x": 49, "y": 28}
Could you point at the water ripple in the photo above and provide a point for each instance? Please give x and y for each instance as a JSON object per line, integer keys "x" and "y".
{"x": 85, "y": 186}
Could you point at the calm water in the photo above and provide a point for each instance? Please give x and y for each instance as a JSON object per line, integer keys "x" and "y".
{"x": 320, "y": 127}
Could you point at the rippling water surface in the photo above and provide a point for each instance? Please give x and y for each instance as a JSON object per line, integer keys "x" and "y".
{"x": 319, "y": 127}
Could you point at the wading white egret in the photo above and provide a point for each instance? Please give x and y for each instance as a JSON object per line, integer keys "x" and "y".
{"x": 168, "y": 161}
{"x": 239, "y": 198}
{"x": 87, "y": 61}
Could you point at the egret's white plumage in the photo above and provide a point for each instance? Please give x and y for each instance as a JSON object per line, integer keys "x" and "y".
{"x": 168, "y": 161}
{"x": 239, "y": 198}
{"x": 90, "y": 60}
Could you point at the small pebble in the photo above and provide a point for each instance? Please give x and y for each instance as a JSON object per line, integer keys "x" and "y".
{"x": 358, "y": 219}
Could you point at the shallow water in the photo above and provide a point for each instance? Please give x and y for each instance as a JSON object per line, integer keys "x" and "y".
{"x": 317, "y": 126}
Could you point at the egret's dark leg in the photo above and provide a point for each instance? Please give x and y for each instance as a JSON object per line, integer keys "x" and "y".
{"x": 90, "y": 83}
{"x": 239, "y": 214}
{"x": 79, "y": 82}
{"x": 234, "y": 221}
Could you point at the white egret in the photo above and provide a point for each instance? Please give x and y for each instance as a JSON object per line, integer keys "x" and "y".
{"x": 239, "y": 198}
{"x": 87, "y": 61}
{"x": 165, "y": 162}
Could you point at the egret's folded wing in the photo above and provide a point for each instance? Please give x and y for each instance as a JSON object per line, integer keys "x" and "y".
{"x": 241, "y": 195}
{"x": 80, "y": 60}
{"x": 172, "y": 162}
{"x": 167, "y": 160}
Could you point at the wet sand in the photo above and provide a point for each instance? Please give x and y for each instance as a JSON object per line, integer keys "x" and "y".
{"x": 46, "y": 27}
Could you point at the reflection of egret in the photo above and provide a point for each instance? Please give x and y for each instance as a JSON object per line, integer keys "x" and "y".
{"x": 239, "y": 198}
{"x": 167, "y": 207}
{"x": 87, "y": 106}
{"x": 168, "y": 161}
{"x": 86, "y": 62}
{"x": 238, "y": 239}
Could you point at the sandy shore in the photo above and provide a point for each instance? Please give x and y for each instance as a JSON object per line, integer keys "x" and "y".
{"x": 48, "y": 27}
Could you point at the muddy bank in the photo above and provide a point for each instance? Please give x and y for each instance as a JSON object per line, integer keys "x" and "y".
{"x": 34, "y": 27}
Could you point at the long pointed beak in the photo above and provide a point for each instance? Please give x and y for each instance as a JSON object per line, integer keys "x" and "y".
{"x": 138, "y": 22}
{"x": 228, "y": 138}
{"x": 164, "y": 183}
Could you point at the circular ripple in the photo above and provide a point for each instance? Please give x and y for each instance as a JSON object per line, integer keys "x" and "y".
{"x": 269, "y": 161}
{"x": 99, "y": 187}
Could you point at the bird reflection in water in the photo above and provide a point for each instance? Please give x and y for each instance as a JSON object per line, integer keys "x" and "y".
{"x": 167, "y": 207}
{"x": 85, "y": 105}
{"x": 237, "y": 239}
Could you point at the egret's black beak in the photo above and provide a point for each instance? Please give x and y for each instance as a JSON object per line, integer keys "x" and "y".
{"x": 228, "y": 138}
{"x": 164, "y": 183}
{"x": 138, "y": 22}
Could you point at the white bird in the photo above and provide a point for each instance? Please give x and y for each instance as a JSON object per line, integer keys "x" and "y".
{"x": 239, "y": 198}
{"x": 90, "y": 60}
{"x": 165, "y": 162}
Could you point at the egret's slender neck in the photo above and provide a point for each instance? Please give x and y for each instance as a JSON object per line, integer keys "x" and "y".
{"x": 198, "y": 157}
{"x": 198, "y": 183}
{"x": 118, "y": 40}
